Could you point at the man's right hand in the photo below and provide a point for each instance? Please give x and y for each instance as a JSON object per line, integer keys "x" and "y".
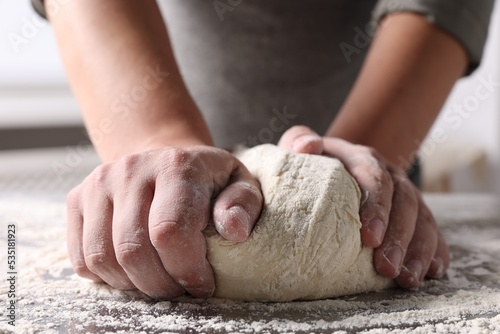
{"x": 137, "y": 222}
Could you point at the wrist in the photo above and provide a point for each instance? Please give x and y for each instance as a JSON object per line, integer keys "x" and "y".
{"x": 160, "y": 140}
{"x": 165, "y": 136}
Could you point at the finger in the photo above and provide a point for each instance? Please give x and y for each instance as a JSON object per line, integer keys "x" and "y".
{"x": 301, "y": 139}
{"x": 237, "y": 207}
{"x": 179, "y": 213}
{"x": 388, "y": 258}
{"x": 133, "y": 248}
{"x": 420, "y": 251}
{"x": 97, "y": 233}
{"x": 75, "y": 236}
{"x": 441, "y": 259}
{"x": 375, "y": 182}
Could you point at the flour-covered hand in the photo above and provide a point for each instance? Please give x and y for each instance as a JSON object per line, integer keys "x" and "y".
{"x": 137, "y": 222}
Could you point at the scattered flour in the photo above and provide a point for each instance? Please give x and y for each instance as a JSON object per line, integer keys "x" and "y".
{"x": 52, "y": 299}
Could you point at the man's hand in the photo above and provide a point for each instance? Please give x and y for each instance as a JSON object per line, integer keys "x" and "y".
{"x": 395, "y": 220}
{"x": 138, "y": 222}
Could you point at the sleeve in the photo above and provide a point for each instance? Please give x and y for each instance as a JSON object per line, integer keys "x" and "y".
{"x": 39, "y": 7}
{"x": 466, "y": 20}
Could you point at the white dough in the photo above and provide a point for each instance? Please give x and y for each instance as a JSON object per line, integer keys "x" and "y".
{"x": 306, "y": 244}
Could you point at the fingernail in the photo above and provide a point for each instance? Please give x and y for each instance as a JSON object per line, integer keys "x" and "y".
{"x": 439, "y": 264}
{"x": 414, "y": 267}
{"x": 376, "y": 227}
{"x": 301, "y": 142}
{"x": 243, "y": 218}
{"x": 395, "y": 257}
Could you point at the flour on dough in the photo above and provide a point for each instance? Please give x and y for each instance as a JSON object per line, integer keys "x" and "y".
{"x": 306, "y": 244}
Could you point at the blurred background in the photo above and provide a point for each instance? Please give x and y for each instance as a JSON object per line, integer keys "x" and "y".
{"x": 43, "y": 146}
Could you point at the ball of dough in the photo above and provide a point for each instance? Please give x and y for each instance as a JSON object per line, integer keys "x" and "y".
{"x": 306, "y": 244}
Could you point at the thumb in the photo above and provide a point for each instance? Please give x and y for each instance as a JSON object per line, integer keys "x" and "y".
{"x": 301, "y": 139}
{"x": 237, "y": 207}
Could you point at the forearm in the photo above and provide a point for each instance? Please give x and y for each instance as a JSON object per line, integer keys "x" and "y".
{"x": 123, "y": 73}
{"x": 407, "y": 76}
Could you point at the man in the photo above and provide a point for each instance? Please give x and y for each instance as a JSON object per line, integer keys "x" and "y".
{"x": 253, "y": 69}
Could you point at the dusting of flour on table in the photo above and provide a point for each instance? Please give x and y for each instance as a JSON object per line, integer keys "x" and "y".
{"x": 52, "y": 299}
{"x": 306, "y": 244}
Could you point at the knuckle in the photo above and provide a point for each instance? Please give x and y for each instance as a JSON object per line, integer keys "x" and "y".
{"x": 99, "y": 175}
{"x": 178, "y": 157}
{"x": 182, "y": 163}
{"x": 96, "y": 261}
{"x": 128, "y": 167}
{"x": 161, "y": 234}
{"x": 128, "y": 253}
